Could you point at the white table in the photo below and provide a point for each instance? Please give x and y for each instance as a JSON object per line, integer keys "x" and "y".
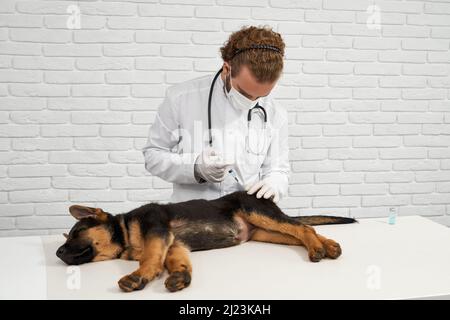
{"x": 408, "y": 260}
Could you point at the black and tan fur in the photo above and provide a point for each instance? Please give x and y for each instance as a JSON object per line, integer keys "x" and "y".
{"x": 160, "y": 236}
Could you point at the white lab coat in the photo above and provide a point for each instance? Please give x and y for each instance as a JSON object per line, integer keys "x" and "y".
{"x": 180, "y": 133}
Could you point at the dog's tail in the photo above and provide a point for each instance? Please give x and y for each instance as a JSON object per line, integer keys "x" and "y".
{"x": 321, "y": 220}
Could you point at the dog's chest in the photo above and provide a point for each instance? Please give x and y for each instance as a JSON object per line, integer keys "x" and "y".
{"x": 205, "y": 234}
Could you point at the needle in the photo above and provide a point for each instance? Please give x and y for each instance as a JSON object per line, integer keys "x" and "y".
{"x": 233, "y": 174}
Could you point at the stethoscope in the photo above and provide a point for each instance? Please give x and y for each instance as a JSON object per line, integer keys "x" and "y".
{"x": 249, "y": 119}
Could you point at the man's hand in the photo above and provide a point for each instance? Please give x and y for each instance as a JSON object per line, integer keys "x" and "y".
{"x": 267, "y": 188}
{"x": 210, "y": 167}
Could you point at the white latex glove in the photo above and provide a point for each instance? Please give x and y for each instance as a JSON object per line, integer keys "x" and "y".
{"x": 210, "y": 166}
{"x": 267, "y": 188}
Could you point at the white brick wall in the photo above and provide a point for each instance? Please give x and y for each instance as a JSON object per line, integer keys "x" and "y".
{"x": 370, "y": 109}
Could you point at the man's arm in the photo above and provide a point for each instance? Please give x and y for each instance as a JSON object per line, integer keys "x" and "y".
{"x": 275, "y": 168}
{"x": 163, "y": 136}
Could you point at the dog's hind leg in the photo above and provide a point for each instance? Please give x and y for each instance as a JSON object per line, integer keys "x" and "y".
{"x": 151, "y": 262}
{"x": 279, "y": 222}
{"x": 179, "y": 266}
{"x": 262, "y": 235}
{"x": 332, "y": 248}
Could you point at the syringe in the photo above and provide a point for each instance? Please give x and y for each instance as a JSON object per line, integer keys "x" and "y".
{"x": 234, "y": 175}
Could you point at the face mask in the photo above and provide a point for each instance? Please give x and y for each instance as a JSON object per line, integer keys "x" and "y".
{"x": 238, "y": 100}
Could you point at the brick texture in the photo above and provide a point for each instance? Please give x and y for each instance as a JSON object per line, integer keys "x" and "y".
{"x": 368, "y": 101}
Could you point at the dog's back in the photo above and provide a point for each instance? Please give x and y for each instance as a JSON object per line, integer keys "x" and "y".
{"x": 211, "y": 224}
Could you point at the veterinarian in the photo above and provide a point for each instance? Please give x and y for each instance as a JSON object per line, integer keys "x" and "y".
{"x": 223, "y": 132}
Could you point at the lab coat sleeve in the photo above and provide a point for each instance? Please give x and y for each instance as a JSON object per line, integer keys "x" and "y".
{"x": 163, "y": 137}
{"x": 276, "y": 164}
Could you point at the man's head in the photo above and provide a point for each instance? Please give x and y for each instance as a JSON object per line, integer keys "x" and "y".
{"x": 96, "y": 236}
{"x": 253, "y": 59}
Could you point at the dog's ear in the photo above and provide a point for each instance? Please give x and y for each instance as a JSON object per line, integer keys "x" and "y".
{"x": 81, "y": 212}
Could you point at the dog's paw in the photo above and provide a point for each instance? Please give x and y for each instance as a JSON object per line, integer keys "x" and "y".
{"x": 132, "y": 282}
{"x": 178, "y": 280}
{"x": 316, "y": 254}
{"x": 332, "y": 248}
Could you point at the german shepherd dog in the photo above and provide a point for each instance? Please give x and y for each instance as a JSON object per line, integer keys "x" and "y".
{"x": 162, "y": 235}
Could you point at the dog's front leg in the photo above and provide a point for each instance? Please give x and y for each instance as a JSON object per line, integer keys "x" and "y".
{"x": 151, "y": 263}
{"x": 179, "y": 266}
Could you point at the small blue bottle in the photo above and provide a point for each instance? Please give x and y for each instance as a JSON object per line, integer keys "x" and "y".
{"x": 392, "y": 215}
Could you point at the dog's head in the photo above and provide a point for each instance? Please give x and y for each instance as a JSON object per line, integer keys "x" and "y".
{"x": 95, "y": 237}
